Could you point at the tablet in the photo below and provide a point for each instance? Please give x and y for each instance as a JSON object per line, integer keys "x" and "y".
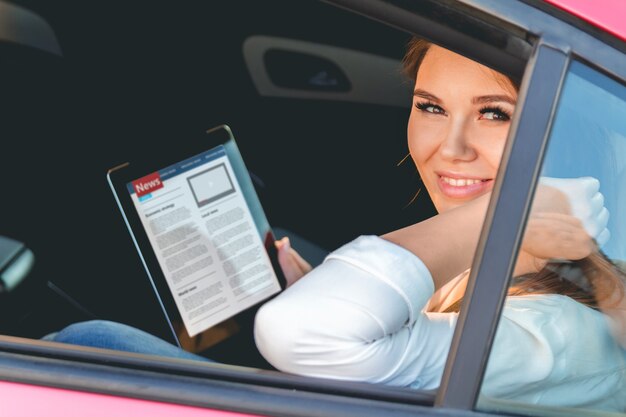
{"x": 200, "y": 231}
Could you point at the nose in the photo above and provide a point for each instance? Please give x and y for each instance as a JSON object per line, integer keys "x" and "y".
{"x": 456, "y": 144}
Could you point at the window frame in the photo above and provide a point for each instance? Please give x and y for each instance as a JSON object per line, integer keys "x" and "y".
{"x": 536, "y": 40}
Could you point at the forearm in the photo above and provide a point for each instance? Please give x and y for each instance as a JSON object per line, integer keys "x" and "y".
{"x": 445, "y": 243}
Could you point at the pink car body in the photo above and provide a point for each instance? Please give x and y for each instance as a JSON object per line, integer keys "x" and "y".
{"x": 18, "y": 399}
{"x": 608, "y": 15}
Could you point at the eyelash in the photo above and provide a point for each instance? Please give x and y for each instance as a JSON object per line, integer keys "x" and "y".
{"x": 501, "y": 114}
{"x": 426, "y": 104}
{"x": 504, "y": 116}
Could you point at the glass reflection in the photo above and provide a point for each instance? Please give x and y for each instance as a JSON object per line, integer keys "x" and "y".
{"x": 572, "y": 331}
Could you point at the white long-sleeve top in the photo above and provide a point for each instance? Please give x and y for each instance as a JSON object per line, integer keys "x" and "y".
{"x": 361, "y": 316}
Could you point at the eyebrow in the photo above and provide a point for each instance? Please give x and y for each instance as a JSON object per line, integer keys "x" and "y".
{"x": 492, "y": 98}
{"x": 425, "y": 94}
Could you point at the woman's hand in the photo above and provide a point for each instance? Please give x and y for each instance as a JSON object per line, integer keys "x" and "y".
{"x": 567, "y": 215}
{"x": 585, "y": 202}
{"x": 552, "y": 236}
{"x": 292, "y": 264}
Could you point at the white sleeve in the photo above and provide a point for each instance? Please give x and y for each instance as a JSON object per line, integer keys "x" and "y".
{"x": 358, "y": 316}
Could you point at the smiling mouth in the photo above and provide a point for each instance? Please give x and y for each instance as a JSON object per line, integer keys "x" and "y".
{"x": 461, "y": 182}
{"x": 463, "y": 188}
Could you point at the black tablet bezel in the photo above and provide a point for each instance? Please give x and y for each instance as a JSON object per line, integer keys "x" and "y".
{"x": 121, "y": 175}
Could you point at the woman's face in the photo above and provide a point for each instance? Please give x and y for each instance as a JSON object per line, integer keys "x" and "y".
{"x": 458, "y": 126}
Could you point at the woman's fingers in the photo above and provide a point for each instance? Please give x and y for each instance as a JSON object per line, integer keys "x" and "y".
{"x": 597, "y": 203}
{"x": 602, "y": 220}
{"x": 557, "y": 236}
{"x": 583, "y": 187}
{"x": 590, "y": 185}
{"x": 598, "y": 218}
{"x": 302, "y": 264}
{"x": 551, "y": 235}
{"x": 604, "y": 237}
{"x": 586, "y": 203}
{"x": 287, "y": 264}
{"x": 292, "y": 264}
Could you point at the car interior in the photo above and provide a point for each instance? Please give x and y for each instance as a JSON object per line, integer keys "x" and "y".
{"x": 313, "y": 94}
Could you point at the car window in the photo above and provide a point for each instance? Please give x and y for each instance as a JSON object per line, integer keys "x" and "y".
{"x": 283, "y": 158}
{"x": 564, "y": 317}
{"x": 404, "y": 356}
{"x": 370, "y": 194}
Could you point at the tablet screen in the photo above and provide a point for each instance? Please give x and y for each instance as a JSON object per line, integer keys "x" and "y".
{"x": 205, "y": 239}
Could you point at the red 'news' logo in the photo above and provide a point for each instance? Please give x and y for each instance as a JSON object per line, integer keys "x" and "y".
{"x": 147, "y": 184}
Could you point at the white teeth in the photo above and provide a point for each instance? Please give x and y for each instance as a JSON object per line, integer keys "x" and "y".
{"x": 459, "y": 182}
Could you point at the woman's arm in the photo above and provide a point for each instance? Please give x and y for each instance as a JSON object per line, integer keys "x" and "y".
{"x": 293, "y": 265}
{"x": 446, "y": 242}
{"x": 566, "y": 216}
{"x": 359, "y": 317}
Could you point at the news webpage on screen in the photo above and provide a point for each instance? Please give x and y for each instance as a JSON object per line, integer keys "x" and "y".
{"x": 205, "y": 239}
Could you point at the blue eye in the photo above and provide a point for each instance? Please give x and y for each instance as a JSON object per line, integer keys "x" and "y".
{"x": 429, "y": 107}
{"x": 494, "y": 113}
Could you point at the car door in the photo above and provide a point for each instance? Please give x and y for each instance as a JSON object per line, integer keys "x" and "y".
{"x": 513, "y": 37}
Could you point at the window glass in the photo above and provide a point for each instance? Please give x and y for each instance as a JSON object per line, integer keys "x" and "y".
{"x": 561, "y": 338}
{"x": 374, "y": 313}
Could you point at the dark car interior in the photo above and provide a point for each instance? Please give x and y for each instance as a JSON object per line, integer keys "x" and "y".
{"x": 323, "y": 142}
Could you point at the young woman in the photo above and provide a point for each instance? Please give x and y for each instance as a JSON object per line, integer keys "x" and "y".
{"x": 383, "y": 309}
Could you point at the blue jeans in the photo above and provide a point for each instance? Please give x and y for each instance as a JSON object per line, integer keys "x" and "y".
{"x": 117, "y": 336}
